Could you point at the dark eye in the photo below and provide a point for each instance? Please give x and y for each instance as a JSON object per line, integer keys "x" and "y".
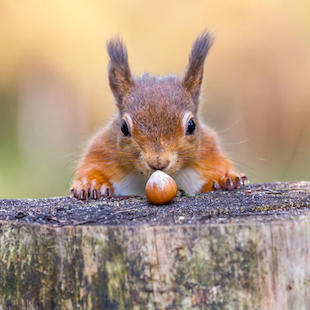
{"x": 190, "y": 127}
{"x": 124, "y": 128}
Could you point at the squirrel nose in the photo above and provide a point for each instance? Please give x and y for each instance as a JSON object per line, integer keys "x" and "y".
{"x": 160, "y": 165}
{"x": 157, "y": 161}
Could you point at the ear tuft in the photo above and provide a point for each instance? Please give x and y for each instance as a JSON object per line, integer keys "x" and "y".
{"x": 119, "y": 72}
{"x": 194, "y": 73}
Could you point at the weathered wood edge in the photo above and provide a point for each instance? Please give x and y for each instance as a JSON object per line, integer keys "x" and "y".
{"x": 265, "y": 202}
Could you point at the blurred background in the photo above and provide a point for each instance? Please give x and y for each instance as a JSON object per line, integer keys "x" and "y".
{"x": 54, "y": 90}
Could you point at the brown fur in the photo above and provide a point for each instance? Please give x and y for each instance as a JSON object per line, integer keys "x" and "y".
{"x": 156, "y": 106}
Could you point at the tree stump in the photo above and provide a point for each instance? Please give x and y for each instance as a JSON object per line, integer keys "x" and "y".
{"x": 245, "y": 249}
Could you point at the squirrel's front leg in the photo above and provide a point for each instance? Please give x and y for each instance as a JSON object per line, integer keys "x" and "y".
{"x": 216, "y": 168}
{"x": 95, "y": 170}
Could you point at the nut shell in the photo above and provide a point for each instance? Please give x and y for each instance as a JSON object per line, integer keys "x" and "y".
{"x": 160, "y": 188}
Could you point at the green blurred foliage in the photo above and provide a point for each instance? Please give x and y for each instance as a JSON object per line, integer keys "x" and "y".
{"x": 54, "y": 91}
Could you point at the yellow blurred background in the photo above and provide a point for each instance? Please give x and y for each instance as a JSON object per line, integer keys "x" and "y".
{"x": 54, "y": 90}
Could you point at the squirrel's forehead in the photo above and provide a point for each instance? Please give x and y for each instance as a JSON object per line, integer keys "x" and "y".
{"x": 158, "y": 114}
{"x": 159, "y": 92}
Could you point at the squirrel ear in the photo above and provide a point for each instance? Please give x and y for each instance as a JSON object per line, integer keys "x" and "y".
{"x": 119, "y": 72}
{"x": 194, "y": 72}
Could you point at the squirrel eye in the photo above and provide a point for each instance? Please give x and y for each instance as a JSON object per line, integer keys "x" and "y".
{"x": 124, "y": 128}
{"x": 190, "y": 127}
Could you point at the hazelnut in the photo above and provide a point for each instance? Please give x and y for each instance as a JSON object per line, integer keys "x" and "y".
{"x": 160, "y": 188}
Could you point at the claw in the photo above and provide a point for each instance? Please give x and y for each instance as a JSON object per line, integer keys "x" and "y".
{"x": 83, "y": 194}
{"x": 245, "y": 180}
{"x": 94, "y": 194}
{"x": 229, "y": 185}
{"x": 238, "y": 182}
{"x": 76, "y": 195}
{"x": 105, "y": 191}
{"x": 216, "y": 186}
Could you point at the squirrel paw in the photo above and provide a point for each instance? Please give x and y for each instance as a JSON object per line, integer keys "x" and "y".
{"x": 230, "y": 181}
{"x": 90, "y": 189}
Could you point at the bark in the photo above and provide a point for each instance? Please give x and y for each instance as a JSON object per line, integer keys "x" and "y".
{"x": 246, "y": 249}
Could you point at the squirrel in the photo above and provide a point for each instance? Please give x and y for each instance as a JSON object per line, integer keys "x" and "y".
{"x": 156, "y": 127}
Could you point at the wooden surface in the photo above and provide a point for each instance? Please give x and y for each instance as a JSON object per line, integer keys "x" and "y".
{"x": 246, "y": 249}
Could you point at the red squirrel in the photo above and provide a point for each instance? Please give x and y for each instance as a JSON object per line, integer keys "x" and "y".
{"x": 157, "y": 127}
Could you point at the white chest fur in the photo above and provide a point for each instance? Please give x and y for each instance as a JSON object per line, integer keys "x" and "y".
{"x": 187, "y": 179}
{"x": 132, "y": 185}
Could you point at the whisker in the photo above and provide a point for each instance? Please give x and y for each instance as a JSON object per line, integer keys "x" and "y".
{"x": 238, "y": 143}
{"x": 230, "y": 127}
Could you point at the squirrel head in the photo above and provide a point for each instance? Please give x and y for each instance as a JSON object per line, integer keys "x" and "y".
{"x": 157, "y": 125}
